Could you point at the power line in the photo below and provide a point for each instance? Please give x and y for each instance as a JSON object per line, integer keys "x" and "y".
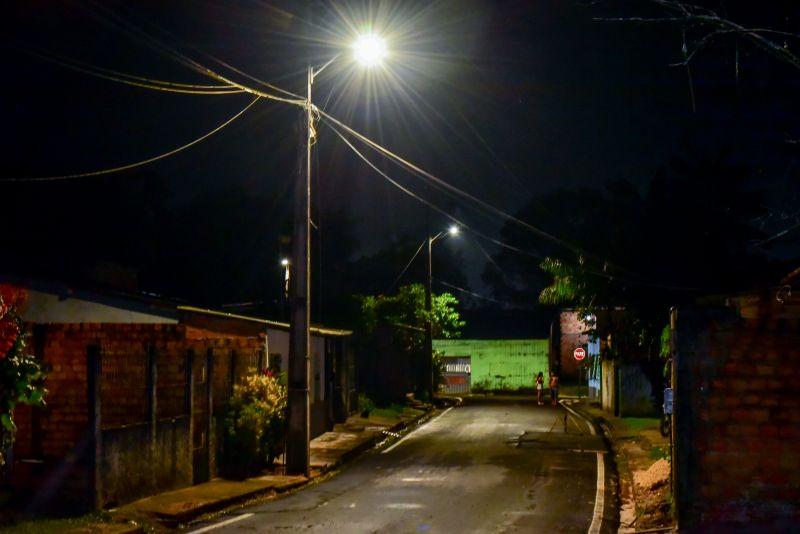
{"x": 130, "y": 79}
{"x": 446, "y": 186}
{"x": 601, "y": 274}
{"x": 399, "y": 276}
{"x": 139, "y": 163}
{"x": 436, "y": 208}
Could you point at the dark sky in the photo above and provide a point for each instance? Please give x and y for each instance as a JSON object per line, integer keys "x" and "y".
{"x": 502, "y": 99}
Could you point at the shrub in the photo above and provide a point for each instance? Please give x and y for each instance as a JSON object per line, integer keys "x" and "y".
{"x": 365, "y": 405}
{"x": 22, "y": 376}
{"x": 254, "y": 427}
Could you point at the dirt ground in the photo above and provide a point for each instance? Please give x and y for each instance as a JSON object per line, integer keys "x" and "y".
{"x": 652, "y": 487}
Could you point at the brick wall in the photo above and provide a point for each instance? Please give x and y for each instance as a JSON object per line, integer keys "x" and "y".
{"x": 570, "y": 338}
{"x": 737, "y": 421}
{"x": 60, "y": 435}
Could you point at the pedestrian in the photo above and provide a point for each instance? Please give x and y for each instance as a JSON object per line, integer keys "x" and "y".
{"x": 539, "y": 387}
{"x": 554, "y": 387}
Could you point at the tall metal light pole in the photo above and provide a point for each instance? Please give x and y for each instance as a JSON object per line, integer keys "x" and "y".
{"x": 369, "y": 50}
{"x": 428, "y": 356}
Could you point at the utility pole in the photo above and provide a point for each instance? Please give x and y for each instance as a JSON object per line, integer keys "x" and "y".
{"x": 298, "y": 436}
{"x": 427, "y": 365}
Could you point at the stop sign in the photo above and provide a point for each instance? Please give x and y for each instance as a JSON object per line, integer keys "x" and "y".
{"x": 579, "y": 353}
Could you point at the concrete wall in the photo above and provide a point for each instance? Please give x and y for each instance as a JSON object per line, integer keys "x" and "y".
{"x": 737, "y": 416}
{"x": 608, "y": 392}
{"x": 627, "y": 391}
{"x": 637, "y": 397}
{"x": 137, "y": 464}
{"x": 500, "y": 364}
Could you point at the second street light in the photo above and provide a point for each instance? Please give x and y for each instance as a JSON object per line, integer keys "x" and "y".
{"x": 428, "y": 363}
{"x": 368, "y": 50}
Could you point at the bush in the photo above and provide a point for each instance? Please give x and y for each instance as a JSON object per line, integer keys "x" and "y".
{"x": 254, "y": 428}
{"x": 365, "y": 405}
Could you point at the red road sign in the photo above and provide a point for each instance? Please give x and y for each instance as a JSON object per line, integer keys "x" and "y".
{"x": 579, "y": 353}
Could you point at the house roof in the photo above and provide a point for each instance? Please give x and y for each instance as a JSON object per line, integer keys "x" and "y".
{"x": 57, "y": 302}
{"x": 323, "y": 331}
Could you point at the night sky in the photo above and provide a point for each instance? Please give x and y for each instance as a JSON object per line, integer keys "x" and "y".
{"x": 504, "y": 100}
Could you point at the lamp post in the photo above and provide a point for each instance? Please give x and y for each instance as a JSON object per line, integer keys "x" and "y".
{"x": 428, "y": 363}
{"x": 369, "y": 50}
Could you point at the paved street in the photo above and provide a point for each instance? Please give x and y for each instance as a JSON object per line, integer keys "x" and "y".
{"x": 489, "y": 466}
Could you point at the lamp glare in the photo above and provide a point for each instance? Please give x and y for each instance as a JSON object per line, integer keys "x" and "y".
{"x": 369, "y": 49}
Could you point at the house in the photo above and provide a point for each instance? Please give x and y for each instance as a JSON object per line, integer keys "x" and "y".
{"x": 136, "y": 388}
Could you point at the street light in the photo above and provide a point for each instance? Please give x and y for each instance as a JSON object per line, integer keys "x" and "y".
{"x": 428, "y": 367}
{"x": 369, "y": 50}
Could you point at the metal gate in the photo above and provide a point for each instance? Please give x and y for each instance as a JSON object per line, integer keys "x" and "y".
{"x": 457, "y": 373}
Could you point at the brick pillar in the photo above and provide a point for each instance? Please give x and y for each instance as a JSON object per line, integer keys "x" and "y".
{"x": 152, "y": 404}
{"x": 189, "y": 406}
{"x": 210, "y": 441}
{"x": 94, "y": 451}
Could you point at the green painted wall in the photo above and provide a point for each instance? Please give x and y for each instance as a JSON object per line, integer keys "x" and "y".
{"x": 500, "y": 363}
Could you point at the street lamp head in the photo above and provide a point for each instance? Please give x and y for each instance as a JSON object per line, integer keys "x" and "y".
{"x": 369, "y": 49}
{"x": 285, "y": 262}
{"x": 453, "y": 230}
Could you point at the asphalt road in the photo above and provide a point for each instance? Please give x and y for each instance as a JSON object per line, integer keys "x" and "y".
{"x": 489, "y": 466}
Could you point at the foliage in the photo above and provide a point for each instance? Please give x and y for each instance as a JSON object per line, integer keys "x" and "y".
{"x": 407, "y": 308}
{"x": 21, "y": 375}
{"x": 665, "y": 353}
{"x": 365, "y": 405}
{"x": 254, "y": 428}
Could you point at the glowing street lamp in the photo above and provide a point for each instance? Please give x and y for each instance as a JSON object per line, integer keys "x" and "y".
{"x": 452, "y": 231}
{"x": 369, "y": 50}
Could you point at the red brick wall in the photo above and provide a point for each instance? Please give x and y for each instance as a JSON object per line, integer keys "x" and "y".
{"x": 570, "y": 338}
{"x": 738, "y": 419}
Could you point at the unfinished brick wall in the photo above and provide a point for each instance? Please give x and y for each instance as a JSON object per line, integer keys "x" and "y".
{"x": 571, "y": 337}
{"x": 737, "y": 422}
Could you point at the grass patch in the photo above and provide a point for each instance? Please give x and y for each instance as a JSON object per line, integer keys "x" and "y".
{"x": 640, "y": 423}
{"x": 393, "y": 410}
{"x": 47, "y": 526}
{"x": 658, "y": 453}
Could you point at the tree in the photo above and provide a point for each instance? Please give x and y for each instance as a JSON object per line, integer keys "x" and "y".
{"x": 743, "y": 54}
{"x": 692, "y": 234}
{"x": 406, "y": 318}
{"x": 407, "y": 308}
{"x": 21, "y": 375}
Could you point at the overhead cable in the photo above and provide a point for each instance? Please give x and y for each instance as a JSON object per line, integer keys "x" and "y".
{"x": 420, "y": 172}
{"x": 436, "y": 208}
{"x": 137, "y": 164}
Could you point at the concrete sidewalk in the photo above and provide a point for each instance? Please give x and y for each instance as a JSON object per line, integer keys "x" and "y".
{"x": 331, "y": 449}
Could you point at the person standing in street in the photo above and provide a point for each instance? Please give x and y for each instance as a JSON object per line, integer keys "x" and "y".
{"x": 554, "y": 387}
{"x": 539, "y": 387}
